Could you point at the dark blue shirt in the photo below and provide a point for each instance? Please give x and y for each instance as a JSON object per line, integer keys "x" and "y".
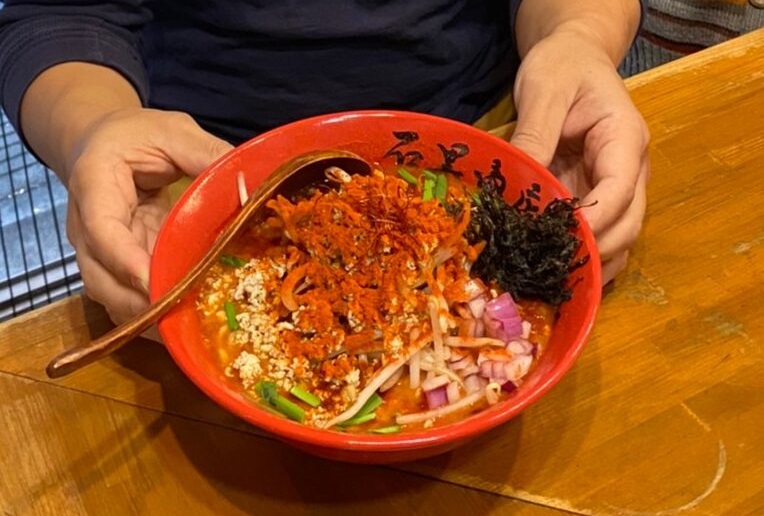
{"x": 240, "y": 67}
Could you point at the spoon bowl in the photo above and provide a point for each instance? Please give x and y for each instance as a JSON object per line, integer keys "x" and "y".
{"x": 290, "y": 178}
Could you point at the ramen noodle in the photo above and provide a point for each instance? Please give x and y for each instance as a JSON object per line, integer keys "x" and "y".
{"x": 353, "y": 308}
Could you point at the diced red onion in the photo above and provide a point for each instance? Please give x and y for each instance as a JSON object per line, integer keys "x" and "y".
{"x": 513, "y": 370}
{"x": 503, "y": 329}
{"x": 492, "y": 326}
{"x": 502, "y": 318}
{"x": 501, "y": 307}
{"x": 477, "y": 307}
{"x": 436, "y": 397}
{"x": 452, "y": 392}
{"x": 520, "y": 347}
{"x": 518, "y": 367}
{"x": 479, "y": 328}
{"x": 474, "y": 383}
{"x": 499, "y": 371}
{"x": 509, "y": 386}
{"x": 486, "y": 369}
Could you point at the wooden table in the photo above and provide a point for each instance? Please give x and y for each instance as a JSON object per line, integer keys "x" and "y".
{"x": 662, "y": 415}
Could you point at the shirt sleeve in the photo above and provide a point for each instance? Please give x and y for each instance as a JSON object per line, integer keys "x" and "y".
{"x": 35, "y": 35}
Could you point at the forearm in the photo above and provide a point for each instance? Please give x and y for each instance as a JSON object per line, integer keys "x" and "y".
{"x": 608, "y": 24}
{"x": 64, "y": 101}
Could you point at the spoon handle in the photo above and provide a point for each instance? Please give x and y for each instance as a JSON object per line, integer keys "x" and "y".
{"x": 77, "y": 357}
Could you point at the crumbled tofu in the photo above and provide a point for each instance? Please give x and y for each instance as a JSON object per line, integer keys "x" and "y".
{"x": 353, "y": 377}
{"x": 249, "y": 368}
{"x": 395, "y": 345}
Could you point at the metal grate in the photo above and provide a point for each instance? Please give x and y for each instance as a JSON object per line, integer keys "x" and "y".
{"x": 37, "y": 264}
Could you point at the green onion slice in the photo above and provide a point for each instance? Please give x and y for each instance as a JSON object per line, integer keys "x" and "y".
{"x": 407, "y": 176}
{"x": 371, "y": 405}
{"x": 230, "y": 315}
{"x": 255, "y": 398}
{"x": 428, "y": 190}
{"x": 365, "y": 413}
{"x": 429, "y": 175}
{"x": 357, "y": 420}
{"x": 266, "y": 407}
{"x": 441, "y": 187}
{"x": 269, "y": 392}
{"x": 233, "y": 261}
{"x": 306, "y": 396}
{"x": 392, "y": 429}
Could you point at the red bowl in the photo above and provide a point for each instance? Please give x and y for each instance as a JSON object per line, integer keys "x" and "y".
{"x": 384, "y": 137}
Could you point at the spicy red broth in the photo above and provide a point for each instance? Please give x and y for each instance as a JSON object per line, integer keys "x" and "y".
{"x": 355, "y": 309}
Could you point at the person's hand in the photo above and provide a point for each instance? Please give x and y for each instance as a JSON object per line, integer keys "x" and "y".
{"x": 575, "y": 117}
{"x": 118, "y": 172}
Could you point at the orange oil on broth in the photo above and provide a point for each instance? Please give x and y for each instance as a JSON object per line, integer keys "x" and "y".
{"x": 263, "y": 241}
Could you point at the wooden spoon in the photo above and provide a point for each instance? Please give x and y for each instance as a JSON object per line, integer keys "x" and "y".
{"x": 294, "y": 175}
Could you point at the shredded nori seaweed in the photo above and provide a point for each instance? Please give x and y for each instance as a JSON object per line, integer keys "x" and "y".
{"x": 528, "y": 253}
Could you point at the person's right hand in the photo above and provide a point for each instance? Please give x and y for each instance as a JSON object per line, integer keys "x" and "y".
{"x": 118, "y": 171}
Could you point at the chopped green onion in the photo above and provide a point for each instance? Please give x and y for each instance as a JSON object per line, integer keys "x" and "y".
{"x": 407, "y": 176}
{"x": 233, "y": 261}
{"x": 357, "y": 420}
{"x": 371, "y": 405}
{"x": 428, "y": 190}
{"x": 266, "y": 407}
{"x": 392, "y": 429}
{"x": 268, "y": 391}
{"x": 306, "y": 396}
{"x": 429, "y": 175}
{"x": 476, "y": 198}
{"x": 441, "y": 187}
{"x": 254, "y": 397}
{"x": 365, "y": 413}
{"x": 230, "y": 315}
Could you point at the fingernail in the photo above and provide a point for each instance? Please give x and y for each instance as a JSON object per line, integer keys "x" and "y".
{"x": 143, "y": 282}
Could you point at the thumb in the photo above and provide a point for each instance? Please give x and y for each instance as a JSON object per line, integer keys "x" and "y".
{"x": 190, "y": 147}
{"x": 539, "y": 124}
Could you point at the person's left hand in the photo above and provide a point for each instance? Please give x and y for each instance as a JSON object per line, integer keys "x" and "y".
{"x": 576, "y": 118}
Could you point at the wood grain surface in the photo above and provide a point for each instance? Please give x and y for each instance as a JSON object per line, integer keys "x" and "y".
{"x": 662, "y": 415}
